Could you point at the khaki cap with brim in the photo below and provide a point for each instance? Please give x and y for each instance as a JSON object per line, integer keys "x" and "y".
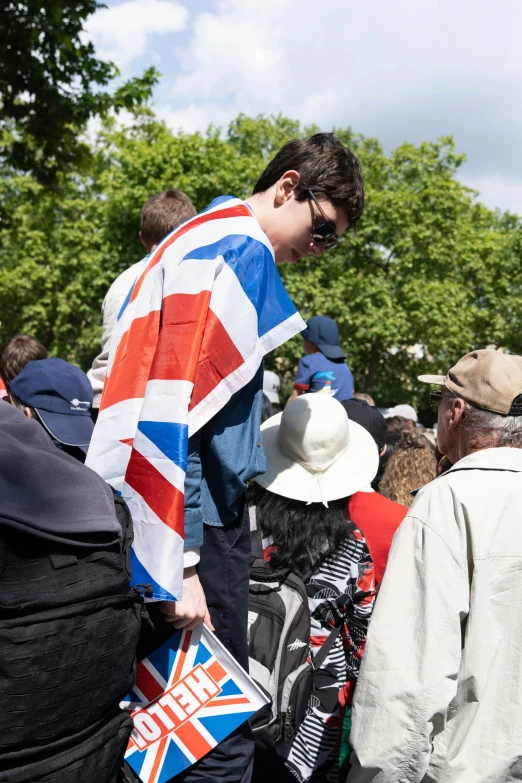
{"x": 488, "y": 379}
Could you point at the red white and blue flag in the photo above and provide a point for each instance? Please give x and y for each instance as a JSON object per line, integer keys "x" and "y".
{"x": 193, "y": 330}
{"x": 189, "y": 695}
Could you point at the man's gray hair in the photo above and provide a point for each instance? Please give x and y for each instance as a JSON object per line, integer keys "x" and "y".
{"x": 504, "y": 430}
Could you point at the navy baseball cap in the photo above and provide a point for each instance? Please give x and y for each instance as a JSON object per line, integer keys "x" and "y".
{"x": 324, "y": 332}
{"x": 61, "y": 395}
{"x": 368, "y": 417}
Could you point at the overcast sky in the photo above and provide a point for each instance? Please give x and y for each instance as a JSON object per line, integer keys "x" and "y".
{"x": 401, "y": 70}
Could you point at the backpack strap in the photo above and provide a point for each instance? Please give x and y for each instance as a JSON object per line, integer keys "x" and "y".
{"x": 255, "y": 535}
{"x": 321, "y": 656}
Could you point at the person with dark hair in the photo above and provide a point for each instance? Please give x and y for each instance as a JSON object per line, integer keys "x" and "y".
{"x": 327, "y": 171}
{"x": 316, "y": 458}
{"x": 376, "y": 515}
{"x": 70, "y": 621}
{"x": 438, "y": 696}
{"x": 323, "y": 368}
{"x": 160, "y": 215}
{"x": 59, "y": 396}
{"x": 309, "y": 194}
{"x": 396, "y": 425}
{"x": 15, "y": 354}
{"x": 214, "y": 305}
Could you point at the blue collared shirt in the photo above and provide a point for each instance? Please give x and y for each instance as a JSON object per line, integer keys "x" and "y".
{"x": 222, "y": 458}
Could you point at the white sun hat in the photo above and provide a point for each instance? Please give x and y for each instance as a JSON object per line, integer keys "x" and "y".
{"x": 314, "y": 453}
{"x": 406, "y": 411}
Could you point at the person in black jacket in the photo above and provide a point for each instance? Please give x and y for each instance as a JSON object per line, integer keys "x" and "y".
{"x": 69, "y": 622}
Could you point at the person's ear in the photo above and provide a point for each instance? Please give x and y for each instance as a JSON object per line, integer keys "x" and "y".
{"x": 28, "y": 413}
{"x": 286, "y": 185}
{"x": 383, "y": 450}
{"x": 457, "y": 413}
{"x": 142, "y": 240}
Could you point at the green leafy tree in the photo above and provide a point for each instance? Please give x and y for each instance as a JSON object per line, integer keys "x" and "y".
{"x": 429, "y": 275}
{"x": 51, "y": 83}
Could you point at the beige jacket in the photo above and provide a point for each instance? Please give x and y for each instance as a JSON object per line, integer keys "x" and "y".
{"x": 439, "y": 697}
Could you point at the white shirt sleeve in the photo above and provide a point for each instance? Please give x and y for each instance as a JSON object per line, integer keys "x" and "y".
{"x": 191, "y": 557}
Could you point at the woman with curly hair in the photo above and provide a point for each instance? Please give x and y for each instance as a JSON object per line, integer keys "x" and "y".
{"x": 412, "y": 465}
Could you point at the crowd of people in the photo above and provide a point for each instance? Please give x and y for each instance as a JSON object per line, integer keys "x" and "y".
{"x": 405, "y": 544}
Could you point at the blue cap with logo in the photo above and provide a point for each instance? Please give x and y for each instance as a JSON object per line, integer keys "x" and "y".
{"x": 61, "y": 394}
{"x": 324, "y": 332}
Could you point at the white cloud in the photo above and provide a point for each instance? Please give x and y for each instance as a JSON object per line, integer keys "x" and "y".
{"x": 405, "y": 70}
{"x": 122, "y": 32}
{"x": 496, "y": 191}
{"x": 401, "y": 71}
{"x": 193, "y": 118}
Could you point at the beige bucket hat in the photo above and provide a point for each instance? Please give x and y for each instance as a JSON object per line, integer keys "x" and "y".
{"x": 487, "y": 379}
{"x": 314, "y": 453}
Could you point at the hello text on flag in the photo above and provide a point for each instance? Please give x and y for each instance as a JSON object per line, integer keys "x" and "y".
{"x": 174, "y": 707}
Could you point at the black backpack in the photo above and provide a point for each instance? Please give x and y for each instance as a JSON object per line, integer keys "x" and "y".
{"x": 69, "y": 627}
{"x": 280, "y": 658}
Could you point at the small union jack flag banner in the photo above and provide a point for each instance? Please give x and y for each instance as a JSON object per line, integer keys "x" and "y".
{"x": 189, "y": 695}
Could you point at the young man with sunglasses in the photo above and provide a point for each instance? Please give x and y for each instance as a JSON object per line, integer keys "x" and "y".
{"x": 438, "y": 698}
{"x": 309, "y": 194}
{"x": 307, "y": 197}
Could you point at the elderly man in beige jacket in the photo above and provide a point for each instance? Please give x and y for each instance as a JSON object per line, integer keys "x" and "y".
{"x": 439, "y": 697}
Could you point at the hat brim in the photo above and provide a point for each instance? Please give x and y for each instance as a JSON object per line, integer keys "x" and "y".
{"x": 436, "y": 380}
{"x": 272, "y": 396}
{"x": 331, "y": 351}
{"x": 68, "y": 430}
{"x": 352, "y": 471}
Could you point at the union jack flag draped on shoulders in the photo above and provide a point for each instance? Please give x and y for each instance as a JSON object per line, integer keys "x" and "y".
{"x": 193, "y": 330}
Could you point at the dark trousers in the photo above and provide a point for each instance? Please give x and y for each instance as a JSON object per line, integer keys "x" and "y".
{"x": 224, "y": 571}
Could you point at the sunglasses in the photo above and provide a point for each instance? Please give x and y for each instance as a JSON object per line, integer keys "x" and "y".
{"x": 324, "y": 232}
{"x": 437, "y": 396}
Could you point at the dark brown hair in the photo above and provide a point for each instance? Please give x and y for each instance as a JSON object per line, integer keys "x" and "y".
{"x": 15, "y": 354}
{"x": 162, "y": 213}
{"x": 397, "y": 424}
{"x": 326, "y": 167}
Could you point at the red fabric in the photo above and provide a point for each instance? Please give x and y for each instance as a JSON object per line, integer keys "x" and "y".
{"x": 378, "y": 518}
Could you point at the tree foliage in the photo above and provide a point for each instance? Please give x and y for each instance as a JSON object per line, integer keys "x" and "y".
{"x": 429, "y": 275}
{"x": 51, "y": 84}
